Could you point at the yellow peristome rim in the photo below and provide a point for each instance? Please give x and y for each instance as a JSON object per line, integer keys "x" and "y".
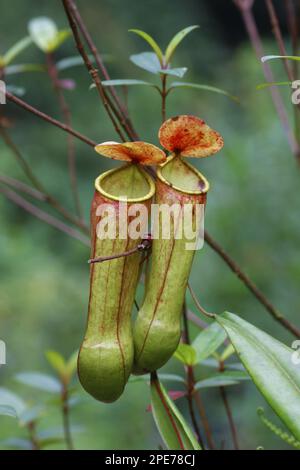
{"x": 148, "y": 196}
{"x": 181, "y": 190}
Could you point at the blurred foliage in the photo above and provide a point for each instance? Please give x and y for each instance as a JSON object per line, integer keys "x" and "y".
{"x": 252, "y": 206}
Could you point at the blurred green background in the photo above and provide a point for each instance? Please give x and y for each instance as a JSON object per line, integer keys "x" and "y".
{"x": 253, "y": 206}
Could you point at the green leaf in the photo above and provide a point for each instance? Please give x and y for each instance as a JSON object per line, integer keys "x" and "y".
{"x": 177, "y": 72}
{"x": 30, "y": 415}
{"x": 222, "y": 380}
{"x": 56, "y": 361}
{"x": 152, "y": 43}
{"x": 126, "y": 82}
{"x": 9, "y": 398}
{"x": 16, "y": 90}
{"x": 201, "y": 86}
{"x": 41, "y": 381}
{"x": 17, "y": 443}
{"x": 228, "y": 352}
{"x": 147, "y": 61}
{"x": 15, "y": 50}
{"x": 6, "y": 410}
{"x": 176, "y": 40}
{"x": 261, "y": 86}
{"x": 186, "y": 354}
{"x": 44, "y": 33}
{"x": 73, "y": 61}
{"x": 171, "y": 425}
{"x": 265, "y": 58}
{"x": 270, "y": 366}
{"x": 60, "y": 38}
{"x": 162, "y": 377}
{"x": 71, "y": 365}
{"x": 20, "y": 68}
{"x": 208, "y": 341}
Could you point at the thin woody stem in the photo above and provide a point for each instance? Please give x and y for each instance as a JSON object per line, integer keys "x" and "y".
{"x": 44, "y": 216}
{"x": 143, "y": 246}
{"x": 49, "y": 119}
{"x": 23, "y": 188}
{"x": 66, "y": 418}
{"x": 233, "y": 429}
{"x": 245, "y": 7}
{"x": 125, "y": 120}
{"x": 93, "y": 72}
{"x": 276, "y": 314}
{"x": 198, "y": 305}
{"x": 278, "y": 36}
{"x": 41, "y": 193}
{"x": 164, "y": 94}
{"x": 65, "y": 110}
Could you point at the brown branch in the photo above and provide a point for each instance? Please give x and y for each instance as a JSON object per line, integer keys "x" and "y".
{"x": 93, "y": 72}
{"x": 66, "y": 113}
{"x": 278, "y": 36}
{"x": 143, "y": 246}
{"x": 276, "y": 314}
{"x": 245, "y": 7}
{"x": 66, "y": 417}
{"x": 44, "y": 216}
{"x": 198, "y": 305}
{"x": 23, "y": 188}
{"x": 124, "y": 118}
{"x": 49, "y": 119}
{"x": 42, "y": 193}
{"x": 229, "y": 414}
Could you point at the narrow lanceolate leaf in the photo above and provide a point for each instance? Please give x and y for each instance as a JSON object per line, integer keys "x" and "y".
{"x": 265, "y": 58}
{"x": 270, "y": 366}
{"x": 20, "y": 68}
{"x": 176, "y": 40}
{"x": 56, "y": 361}
{"x": 40, "y": 381}
{"x": 186, "y": 354}
{"x": 147, "y": 61}
{"x": 177, "y": 72}
{"x": 15, "y": 50}
{"x": 10, "y": 399}
{"x": 16, "y": 90}
{"x": 261, "y": 86}
{"x": 208, "y": 341}
{"x": 171, "y": 425}
{"x": 17, "y": 443}
{"x": 152, "y": 43}
{"x": 126, "y": 82}
{"x": 6, "y": 410}
{"x": 222, "y": 380}
{"x": 73, "y": 61}
{"x": 162, "y": 378}
{"x": 201, "y": 86}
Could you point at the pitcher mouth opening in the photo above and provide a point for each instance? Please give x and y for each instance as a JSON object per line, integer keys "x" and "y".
{"x": 182, "y": 176}
{"x": 128, "y": 183}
